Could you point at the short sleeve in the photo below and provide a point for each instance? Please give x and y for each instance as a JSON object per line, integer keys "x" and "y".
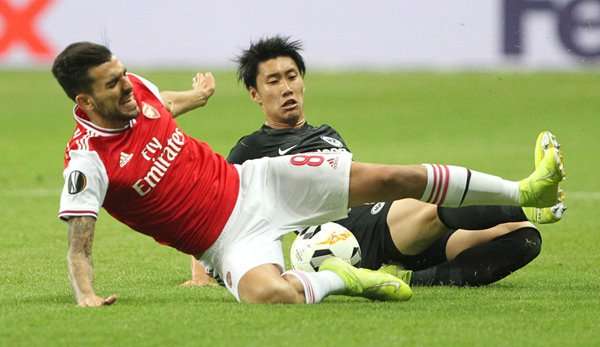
{"x": 239, "y": 153}
{"x": 86, "y": 183}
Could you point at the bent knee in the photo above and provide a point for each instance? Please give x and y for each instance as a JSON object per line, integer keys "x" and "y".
{"x": 276, "y": 292}
{"x": 530, "y": 242}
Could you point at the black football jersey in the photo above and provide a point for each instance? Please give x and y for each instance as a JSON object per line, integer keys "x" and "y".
{"x": 269, "y": 142}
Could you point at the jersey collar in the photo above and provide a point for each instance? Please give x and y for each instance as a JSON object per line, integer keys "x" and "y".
{"x": 270, "y": 130}
{"x": 82, "y": 119}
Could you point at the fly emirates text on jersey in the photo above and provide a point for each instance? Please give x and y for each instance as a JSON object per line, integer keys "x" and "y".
{"x": 162, "y": 161}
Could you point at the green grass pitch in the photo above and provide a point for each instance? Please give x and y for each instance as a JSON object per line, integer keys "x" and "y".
{"x": 486, "y": 121}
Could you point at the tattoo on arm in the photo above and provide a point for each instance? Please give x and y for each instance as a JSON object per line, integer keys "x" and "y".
{"x": 81, "y": 236}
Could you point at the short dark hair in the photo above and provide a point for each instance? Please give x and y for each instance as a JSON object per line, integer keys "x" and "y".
{"x": 263, "y": 50}
{"x": 70, "y": 68}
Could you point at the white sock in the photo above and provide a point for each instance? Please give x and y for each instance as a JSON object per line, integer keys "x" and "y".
{"x": 317, "y": 285}
{"x": 455, "y": 186}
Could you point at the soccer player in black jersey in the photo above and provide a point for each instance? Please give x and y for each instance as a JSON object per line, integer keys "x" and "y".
{"x": 417, "y": 241}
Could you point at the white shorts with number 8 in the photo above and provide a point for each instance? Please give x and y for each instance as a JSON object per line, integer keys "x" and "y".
{"x": 278, "y": 195}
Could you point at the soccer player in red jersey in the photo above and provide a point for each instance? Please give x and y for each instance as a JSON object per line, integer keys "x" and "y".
{"x": 129, "y": 156}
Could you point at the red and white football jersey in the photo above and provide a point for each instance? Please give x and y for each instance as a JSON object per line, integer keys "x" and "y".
{"x": 149, "y": 175}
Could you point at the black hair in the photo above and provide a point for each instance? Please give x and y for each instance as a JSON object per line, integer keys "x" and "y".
{"x": 70, "y": 68}
{"x": 263, "y": 50}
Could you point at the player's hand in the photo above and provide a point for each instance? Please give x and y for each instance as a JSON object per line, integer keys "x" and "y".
{"x": 96, "y": 301}
{"x": 204, "y": 84}
{"x": 203, "y": 282}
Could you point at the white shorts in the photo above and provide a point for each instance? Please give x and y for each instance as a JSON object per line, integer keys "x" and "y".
{"x": 278, "y": 195}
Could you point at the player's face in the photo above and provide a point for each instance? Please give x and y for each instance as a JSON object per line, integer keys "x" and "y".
{"x": 112, "y": 92}
{"x": 280, "y": 92}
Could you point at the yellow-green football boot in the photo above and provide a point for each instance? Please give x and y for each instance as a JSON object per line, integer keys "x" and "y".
{"x": 553, "y": 214}
{"x": 540, "y": 189}
{"x": 545, "y": 215}
{"x": 368, "y": 283}
{"x": 545, "y": 140}
{"x": 398, "y": 271}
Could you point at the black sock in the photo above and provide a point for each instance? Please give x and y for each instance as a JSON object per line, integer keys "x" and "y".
{"x": 479, "y": 217}
{"x": 485, "y": 263}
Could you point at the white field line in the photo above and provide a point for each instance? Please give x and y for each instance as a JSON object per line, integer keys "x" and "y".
{"x": 31, "y": 192}
{"x": 583, "y": 195}
{"x": 55, "y": 192}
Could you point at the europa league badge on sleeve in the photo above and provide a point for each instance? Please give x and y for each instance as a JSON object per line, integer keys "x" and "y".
{"x": 77, "y": 182}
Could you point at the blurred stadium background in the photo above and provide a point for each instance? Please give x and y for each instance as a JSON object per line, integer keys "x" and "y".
{"x": 469, "y": 82}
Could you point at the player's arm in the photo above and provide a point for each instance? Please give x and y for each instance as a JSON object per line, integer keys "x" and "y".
{"x": 199, "y": 276}
{"x": 180, "y": 102}
{"x": 79, "y": 258}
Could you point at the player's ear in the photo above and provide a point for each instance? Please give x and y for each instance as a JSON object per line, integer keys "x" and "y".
{"x": 85, "y": 102}
{"x": 255, "y": 96}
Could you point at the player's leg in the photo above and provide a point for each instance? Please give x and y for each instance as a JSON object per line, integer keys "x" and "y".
{"x": 251, "y": 267}
{"x": 485, "y": 262}
{"x": 253, "y": 273}
{"x": 248, "y": 253}
{"x": 462, "y": 240}
{"x": 413, "y": 225}
{"x": 265, "y": 283}
{"x": 483, "y": 217}
{"x": 455, "y": 186}
{"x": 472, "y": 258}
{"x": 419, "y": 240}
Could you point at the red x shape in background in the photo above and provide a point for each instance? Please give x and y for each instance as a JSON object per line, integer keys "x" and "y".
{"x": 19, "y": 27}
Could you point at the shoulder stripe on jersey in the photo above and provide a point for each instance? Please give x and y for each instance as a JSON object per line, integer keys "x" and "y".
{"x": 83, "y": 143}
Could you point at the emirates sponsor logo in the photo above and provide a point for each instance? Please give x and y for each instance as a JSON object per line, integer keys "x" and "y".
{"x": 149, "y": 111}
{"x": 124, "y": 159}
{"x": 162, "y": 157}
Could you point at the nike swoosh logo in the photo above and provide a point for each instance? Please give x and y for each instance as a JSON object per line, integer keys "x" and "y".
{"x": 284, "y": 151}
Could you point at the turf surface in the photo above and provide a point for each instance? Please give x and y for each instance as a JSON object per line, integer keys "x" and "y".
{"x": 485, "y": 121}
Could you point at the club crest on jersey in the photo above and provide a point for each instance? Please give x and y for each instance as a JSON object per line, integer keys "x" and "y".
{"x": 332, "y": 141}
{"x": 149, "y": 111}
{"x": 76, "y": 182}
{"x": 124, "y": 159}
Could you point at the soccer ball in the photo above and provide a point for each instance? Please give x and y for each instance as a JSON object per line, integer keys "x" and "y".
{"x": 317, "y": 243}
